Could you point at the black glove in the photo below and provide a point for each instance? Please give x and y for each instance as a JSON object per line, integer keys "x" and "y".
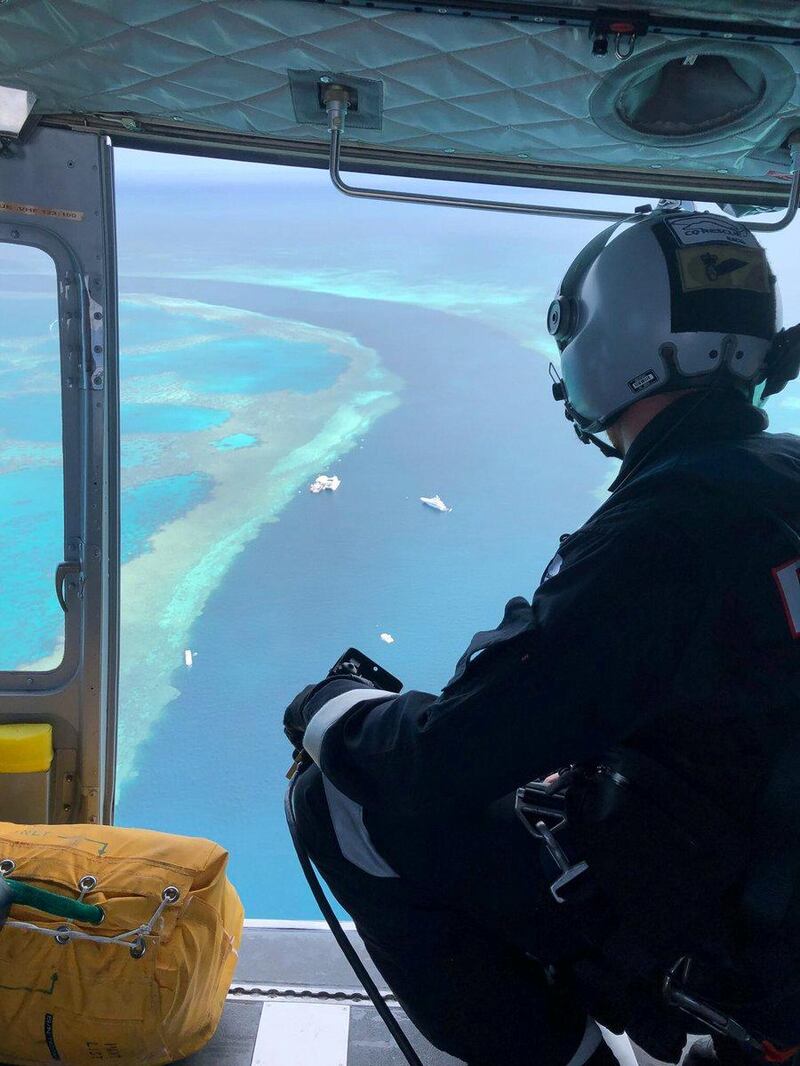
{"x": 299, "y": 713}
{"x": 296, "y": 717}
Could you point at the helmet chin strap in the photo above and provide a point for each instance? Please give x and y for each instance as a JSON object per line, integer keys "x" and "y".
{"x": 583, "y": 435}
{"x": 608, "y": 450}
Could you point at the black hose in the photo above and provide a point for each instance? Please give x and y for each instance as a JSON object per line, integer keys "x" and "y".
{"x": 339, "y": 935}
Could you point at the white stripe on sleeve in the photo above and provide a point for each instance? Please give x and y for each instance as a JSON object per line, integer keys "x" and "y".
{"x": 332, "y": 711}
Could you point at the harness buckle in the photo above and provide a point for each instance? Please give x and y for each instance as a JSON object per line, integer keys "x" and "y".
{"x": 538, "y": 801}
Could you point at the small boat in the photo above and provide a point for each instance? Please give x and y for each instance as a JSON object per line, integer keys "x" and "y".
{"x": 325, "y": 483}
{"x": 387, "y": 638}
{"x": 436, "y": 502}
{"x": 188, "y": 658}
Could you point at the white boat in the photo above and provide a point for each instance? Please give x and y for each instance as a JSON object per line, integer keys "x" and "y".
{"x": 387, "y": 638}
{"x": 188, "y": 658}
{"x": 325, "y": 482}
{"x": 436, "y": 502}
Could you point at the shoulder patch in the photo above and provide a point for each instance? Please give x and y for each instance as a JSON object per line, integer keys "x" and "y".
{"x": 787, "y": 578}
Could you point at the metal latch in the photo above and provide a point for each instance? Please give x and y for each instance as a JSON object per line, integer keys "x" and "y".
{"x": 63, "y": 570}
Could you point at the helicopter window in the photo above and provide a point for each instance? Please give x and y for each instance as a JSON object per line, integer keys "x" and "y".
{"x": 278, "y": 339}
{"x": 31, "y": 461}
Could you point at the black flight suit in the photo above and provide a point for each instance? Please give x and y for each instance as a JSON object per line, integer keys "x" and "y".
{"x": 668, "y": 624}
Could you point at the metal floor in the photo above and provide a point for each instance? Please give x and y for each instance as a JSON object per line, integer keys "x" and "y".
{"x": 295, "y": 1003}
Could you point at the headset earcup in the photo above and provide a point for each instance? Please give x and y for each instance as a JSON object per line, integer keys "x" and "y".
{"x": 560, "y": 318}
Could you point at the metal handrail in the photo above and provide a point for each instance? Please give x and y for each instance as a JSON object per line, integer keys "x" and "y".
{"x": 458, "y": 201}
{"x": 794, "y": 193}
{"x": 337, "y": 100}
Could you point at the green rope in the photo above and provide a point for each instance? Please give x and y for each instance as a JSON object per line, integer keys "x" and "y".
{"x": 24, "y": 895}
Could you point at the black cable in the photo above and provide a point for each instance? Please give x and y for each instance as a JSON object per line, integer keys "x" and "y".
{"x": 339, "y": 935}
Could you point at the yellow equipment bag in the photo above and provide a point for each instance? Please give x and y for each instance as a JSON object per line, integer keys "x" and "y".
{"x": 148, "y": 984}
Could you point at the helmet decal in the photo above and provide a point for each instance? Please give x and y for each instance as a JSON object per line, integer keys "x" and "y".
{"x": 708, "y": 229}
{"x": 716, "y": 285}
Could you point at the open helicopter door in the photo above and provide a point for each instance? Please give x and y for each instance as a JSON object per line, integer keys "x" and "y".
{"x": 58, "y": 712}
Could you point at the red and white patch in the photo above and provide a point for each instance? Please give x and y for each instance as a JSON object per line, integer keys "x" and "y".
{"x": 787, "y": 578}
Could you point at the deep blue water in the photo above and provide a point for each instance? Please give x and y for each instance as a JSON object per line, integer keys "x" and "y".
{"x": 477, "y": 426}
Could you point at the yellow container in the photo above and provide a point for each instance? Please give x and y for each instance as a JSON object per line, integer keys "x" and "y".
{"x": 26, "y": 748}
{"x": 85, "y": 1002}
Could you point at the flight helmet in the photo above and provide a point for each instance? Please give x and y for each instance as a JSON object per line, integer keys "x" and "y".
{"x": 663, "y": 301}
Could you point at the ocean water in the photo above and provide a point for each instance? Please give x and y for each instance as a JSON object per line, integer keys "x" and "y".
{"x": 155, "y": 418}
{"x": 176, "y": 351}
{"x": 187, "y": 342}
{"x": 236, "y": 440}
{"x": 32, "y": 543}
{"x": 148, "y": 507}
{"x": 339, "y": 569}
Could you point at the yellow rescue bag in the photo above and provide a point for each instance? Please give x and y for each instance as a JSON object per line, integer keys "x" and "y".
{"x": 148, "y": 984}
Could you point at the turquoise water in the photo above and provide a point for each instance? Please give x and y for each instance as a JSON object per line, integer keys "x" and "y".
{"x": 31, "y": 496}
{"x": 32, "y": 545}
{"x": 31, "y": 416}
{"x": 234, "y": 441}
{"x": 168, "y": 418}
{"x": 149, "y": 507}
{"x": 209, "y": 357}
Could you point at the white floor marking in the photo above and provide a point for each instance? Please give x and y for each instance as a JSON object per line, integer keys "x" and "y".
{"x": 621, "y": 1046}
{"x": 299, "y": 1034}
{"x": 281, "y": 923}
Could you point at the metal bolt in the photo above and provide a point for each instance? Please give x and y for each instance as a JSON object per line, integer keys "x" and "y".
{"x": 69, "y": 778}
{"x": 67, "y": 808}
{"x": 70, "y": 162}
{"x": 15, "y": 234}
{"x": 98, "y": 348}
{"x": 96, "y": 553}
{"x": 740, "y": 355}
{"x": 713, "y": 353}
{"x": 98, "y": 315}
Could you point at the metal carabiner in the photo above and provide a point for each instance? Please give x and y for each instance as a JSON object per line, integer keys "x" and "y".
{"x": 622, "y": 56}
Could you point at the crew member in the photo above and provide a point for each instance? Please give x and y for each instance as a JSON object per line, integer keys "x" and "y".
{"x": 662, "y": 646}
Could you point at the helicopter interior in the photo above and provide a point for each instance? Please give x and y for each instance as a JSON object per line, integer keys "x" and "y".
{"x": 551, "y": 110}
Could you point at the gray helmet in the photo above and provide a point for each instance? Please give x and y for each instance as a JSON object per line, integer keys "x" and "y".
{"x": 664, "y": 301}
